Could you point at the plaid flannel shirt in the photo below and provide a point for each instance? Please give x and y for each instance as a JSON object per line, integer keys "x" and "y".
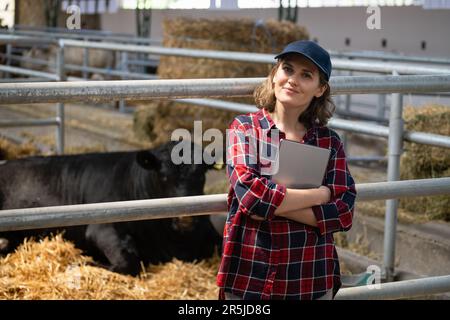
{"x": 278, "y": 258}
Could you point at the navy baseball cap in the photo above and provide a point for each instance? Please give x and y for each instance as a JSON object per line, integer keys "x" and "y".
{"x": 311, "y": 50}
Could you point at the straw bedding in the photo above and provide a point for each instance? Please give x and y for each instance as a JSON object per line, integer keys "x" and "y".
{"x": 53, "y": 268}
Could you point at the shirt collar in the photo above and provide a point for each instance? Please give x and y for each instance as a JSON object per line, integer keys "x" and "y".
{"x": 267, "y": 122}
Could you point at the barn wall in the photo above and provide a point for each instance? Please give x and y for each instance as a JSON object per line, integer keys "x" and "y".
{"x": 404, "y": 28}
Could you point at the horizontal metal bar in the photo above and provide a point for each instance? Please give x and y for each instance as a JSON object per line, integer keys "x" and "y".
{"x": 380, "y": 55}
{"x": 147, "y": 63}
{"x": 372, "y": 129}
{"x": 31, "y": 218}
{"x": 84, "y": 35}
{"x": 405, "y": 188}
{"x": 386, "y": 67}
{"x": 363, "y": 127}
{"x": 360, "y": 116}
{"x": 28, "y": 123}
{"x": 28, "y": 72}
{"x": 97, "y": 91}
{"x": 46, "y": 29}
{"x": 51, "y": 30}
{"x": 112, "y": 72}
{"x": 338, "y": 64}
{"x": 195, "y": 88}
{"x": 393, "y": 84}
{"x": 14, "y": 80}
{"x": 351, "y": 159}
{"x": 427, "y": 138}
{"x": 181, "y": 52}
{"x": 13, "y": 39}
{"x": 397, "y": 290}
{"x": 220, "y": 104}
{"x": 25, "y": 59}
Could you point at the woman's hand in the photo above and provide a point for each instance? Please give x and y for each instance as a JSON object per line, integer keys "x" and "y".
{"x": 325, "y": 194}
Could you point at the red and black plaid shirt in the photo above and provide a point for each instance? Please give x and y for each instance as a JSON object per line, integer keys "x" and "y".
{"x": 278, "y": 258}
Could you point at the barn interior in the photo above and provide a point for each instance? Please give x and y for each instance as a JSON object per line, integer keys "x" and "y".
{"x": 390, "y": 134}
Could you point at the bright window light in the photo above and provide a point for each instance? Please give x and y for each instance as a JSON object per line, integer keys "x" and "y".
{"x": 259, "y": 4}
{"x": 165, "y": 4}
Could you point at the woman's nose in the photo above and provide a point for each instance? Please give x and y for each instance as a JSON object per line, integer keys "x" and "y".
{"x": 292, "y": 82}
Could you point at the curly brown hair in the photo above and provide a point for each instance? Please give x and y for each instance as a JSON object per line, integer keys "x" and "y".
{"x": 320, "y": 110}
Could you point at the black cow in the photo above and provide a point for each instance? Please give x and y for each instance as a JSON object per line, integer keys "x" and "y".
{"x": 106, "y": 177}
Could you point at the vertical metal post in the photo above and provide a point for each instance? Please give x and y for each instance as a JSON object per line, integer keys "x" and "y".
{"x": 60, "y": 106}
{"x": 348, "y": 101}
{"x": 381, "y": 106}
{"x": 117, "y": 57}
{"x": 348, "y": 97}
{"x": 338, "y": 97}
{"x": 8, "y": 58}
{"x": 85, "y": 60}
{"x": 124, "y": 63}
{"x": 393, "y": 174}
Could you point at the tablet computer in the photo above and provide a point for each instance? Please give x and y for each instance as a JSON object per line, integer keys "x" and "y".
{"x": 300, "y": 166}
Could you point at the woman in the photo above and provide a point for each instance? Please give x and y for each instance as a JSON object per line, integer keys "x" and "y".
{"x": 278, "y": 241}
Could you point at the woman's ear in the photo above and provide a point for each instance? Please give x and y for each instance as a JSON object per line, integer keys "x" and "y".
{"x": 321, "y": 90}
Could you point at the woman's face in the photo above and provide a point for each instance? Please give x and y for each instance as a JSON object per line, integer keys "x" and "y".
{"x": 296, "y": 82}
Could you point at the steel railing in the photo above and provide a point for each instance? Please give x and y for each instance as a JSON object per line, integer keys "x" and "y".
{"x": 397, "y": 290}
{"x": 96, "y": 91}
{"x": 109, "y": 212}
{"x": 107, "y": 90}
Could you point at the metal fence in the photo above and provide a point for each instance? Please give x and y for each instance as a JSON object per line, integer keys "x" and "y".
{"x": 108, "y": 212}
{"x": 168, "y": 89}
{"x": 397, "y": 290}
{"x": 57, "y": 216}
{"x": 16, "y": 37}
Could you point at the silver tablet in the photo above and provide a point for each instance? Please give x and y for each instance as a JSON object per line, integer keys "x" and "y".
{"x": 300, "y": 166}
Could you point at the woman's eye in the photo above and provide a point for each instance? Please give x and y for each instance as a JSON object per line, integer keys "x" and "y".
{"x": 307, "y": 75}
{"x": 287, "y": 69}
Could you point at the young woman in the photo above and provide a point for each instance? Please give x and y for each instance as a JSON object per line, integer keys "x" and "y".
{"x": 278, "y": 241}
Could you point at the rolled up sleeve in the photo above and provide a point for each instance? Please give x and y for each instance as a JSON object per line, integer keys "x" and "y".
{"x": 256, "y": 194}
{"x": 337, "y": 214}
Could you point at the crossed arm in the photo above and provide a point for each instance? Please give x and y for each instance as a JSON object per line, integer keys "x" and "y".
{"x": 297, "y": 204}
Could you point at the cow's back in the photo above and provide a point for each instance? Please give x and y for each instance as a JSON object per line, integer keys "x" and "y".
{"x": 64, "y": 180}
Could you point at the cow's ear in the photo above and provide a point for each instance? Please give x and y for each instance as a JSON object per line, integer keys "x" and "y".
{"x": 148, "y": 160}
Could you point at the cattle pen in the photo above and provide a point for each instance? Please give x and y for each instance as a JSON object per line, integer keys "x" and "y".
{"x": 200, "y": 205}
{"x": 340, "y": 63}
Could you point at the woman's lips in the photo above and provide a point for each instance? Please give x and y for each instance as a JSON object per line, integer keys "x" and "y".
{"x": 290, "y": 90}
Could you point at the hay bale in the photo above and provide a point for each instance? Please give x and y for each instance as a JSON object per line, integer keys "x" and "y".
{"x": 54, "y": 269}
{"x": 155, "y": 121}
{"x": 9, "y": 151}
{"x": 422, "y": 162}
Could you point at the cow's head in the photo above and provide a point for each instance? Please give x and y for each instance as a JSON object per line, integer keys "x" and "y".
{"x": 174, "y": 180}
